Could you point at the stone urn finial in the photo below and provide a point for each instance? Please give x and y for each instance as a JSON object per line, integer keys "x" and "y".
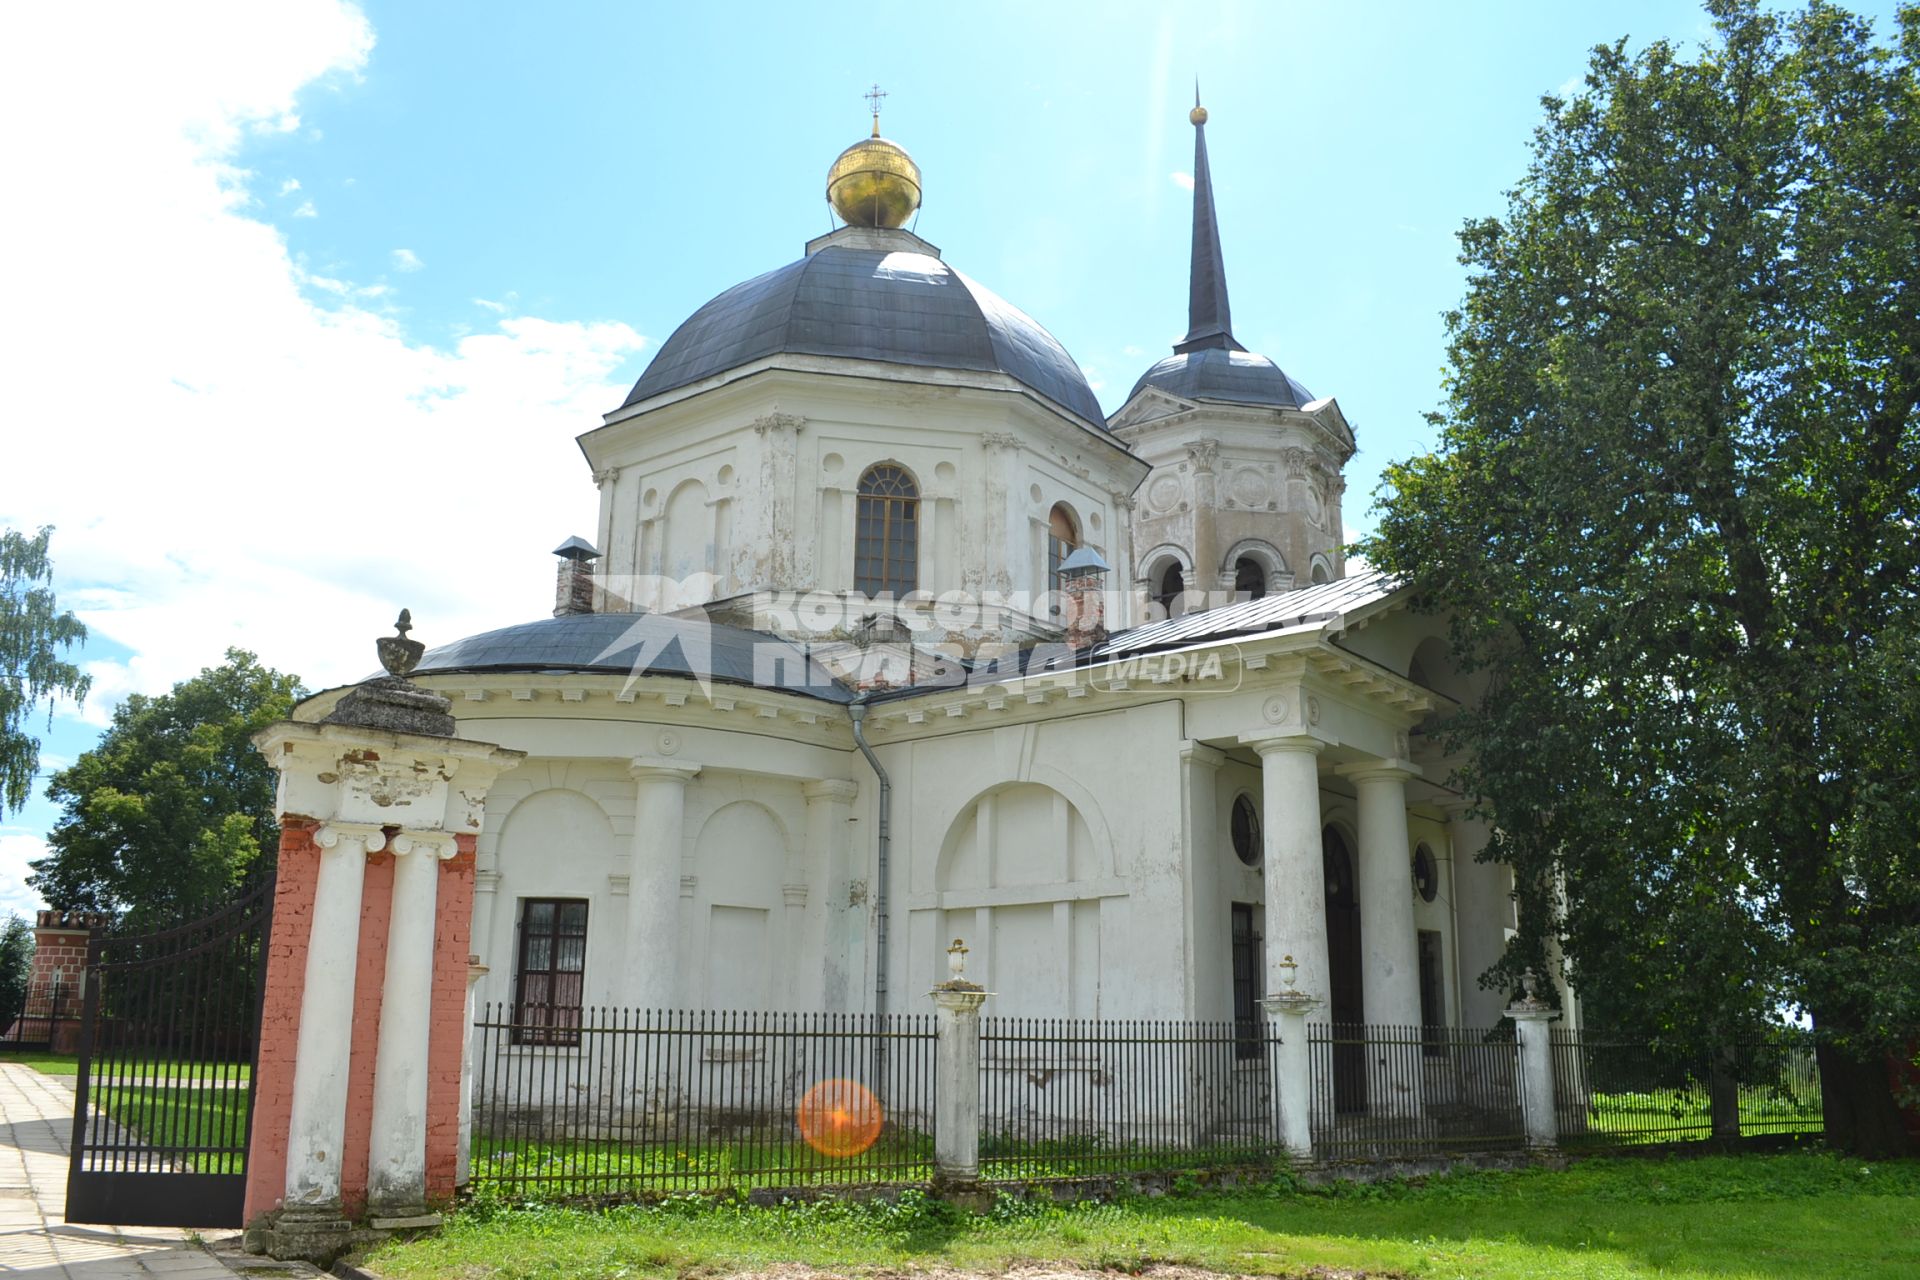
{"x": 957, "y": 960}
{"x": 391, "y": 701}
{"x": 398, "y": 654}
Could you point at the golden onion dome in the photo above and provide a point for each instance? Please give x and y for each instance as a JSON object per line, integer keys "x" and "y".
{"x": 874, "y": 183}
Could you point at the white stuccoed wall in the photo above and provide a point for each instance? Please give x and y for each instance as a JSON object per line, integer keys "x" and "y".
{"x": 755, "y": 482}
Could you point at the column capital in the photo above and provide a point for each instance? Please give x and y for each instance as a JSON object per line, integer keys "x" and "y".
{"x": 486, "y": 881}
{"x": 841, "y": 790}
{"x": 1272, "y": 743}
{"x": 642, "y": 768}
{"x": 437, "y": 844}
{"x": 1380, "y": 770}
{"x": 369, "y": 837}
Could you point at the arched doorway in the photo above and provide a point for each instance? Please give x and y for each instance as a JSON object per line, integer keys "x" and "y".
{"x": 1346, "y": 1002}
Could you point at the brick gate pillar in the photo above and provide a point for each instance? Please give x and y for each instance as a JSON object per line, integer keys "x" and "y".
{"x": 357, "y": 1112}
{"x": 56, "y": 983}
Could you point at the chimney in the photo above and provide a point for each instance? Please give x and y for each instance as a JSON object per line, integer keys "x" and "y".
{"x": 573, "y": 592}
{"x": 1081, "y": 575}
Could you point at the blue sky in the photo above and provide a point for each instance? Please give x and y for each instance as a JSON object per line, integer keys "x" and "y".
{"x": 310, "y": 299}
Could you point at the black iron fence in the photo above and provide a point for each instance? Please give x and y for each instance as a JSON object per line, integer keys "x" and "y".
{"x": 1381, "y": 1091}
{"x": 1063, "y": 1097}
{"x": 1613, "y": 1091}
{"x": 645, "y": 1102}
{"x": 38, "y": 1023}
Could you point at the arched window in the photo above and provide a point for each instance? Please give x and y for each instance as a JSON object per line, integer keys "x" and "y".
{"x": 1249, "y": 579}
{"x": 1062, "y": 537}
{"x": 886, "y": 548}
{"x": 1172, "y": 585}
{"x": 1321, "y": 573}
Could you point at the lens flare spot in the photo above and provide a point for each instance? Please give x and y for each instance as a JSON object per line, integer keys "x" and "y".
{"x": 839, "y": 1118}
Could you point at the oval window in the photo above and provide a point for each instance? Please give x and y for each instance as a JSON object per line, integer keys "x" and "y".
{"x": 1246, "y": 829}
{"x": 1426, "y": 874}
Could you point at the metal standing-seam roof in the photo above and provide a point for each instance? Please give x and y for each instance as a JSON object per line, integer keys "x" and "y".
{"x": 641, "y": 644}
{"x": 869, "y": 304}
{"x": 1327, "y": 600}
{"x": 1216, "y": 374}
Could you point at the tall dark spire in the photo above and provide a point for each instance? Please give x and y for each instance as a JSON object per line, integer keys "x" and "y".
{"x": 1209, "y": 319}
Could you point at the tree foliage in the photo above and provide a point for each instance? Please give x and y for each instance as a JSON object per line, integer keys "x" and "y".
{"x": 16, "y": 968}
{"x": 33, "y": 634}
{"x": 1672, "y": 519}
{"x": 174, "y": 808}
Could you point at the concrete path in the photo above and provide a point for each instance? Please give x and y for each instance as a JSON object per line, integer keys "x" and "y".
{"x": 36, "y": 1128}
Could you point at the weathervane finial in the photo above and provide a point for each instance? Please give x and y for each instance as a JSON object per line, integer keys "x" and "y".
{"x": 875, "y": 96}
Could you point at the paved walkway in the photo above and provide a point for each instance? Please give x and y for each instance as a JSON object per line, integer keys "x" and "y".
{"x": 36, "y": 1127}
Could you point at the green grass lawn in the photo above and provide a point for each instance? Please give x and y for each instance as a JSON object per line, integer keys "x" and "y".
{"x": 1760, "y": 1217}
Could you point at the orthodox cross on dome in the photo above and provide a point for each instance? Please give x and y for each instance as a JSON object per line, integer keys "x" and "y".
{"x": 875, "y": 96}
{"x": 1209, "y": 319}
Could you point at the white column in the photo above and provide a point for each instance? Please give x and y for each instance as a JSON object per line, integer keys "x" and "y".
{"x": 1390, "y": 949}
{"x": 397, "y": 1142}
{"x": 486, "y": 888}
{"x": 318, "y": 1124}
{"x": 653, "y": 885}
{"x": 1389, "y": 946}
{"x": 1532, "y": 1029}
{"x": 1296, "y": 905}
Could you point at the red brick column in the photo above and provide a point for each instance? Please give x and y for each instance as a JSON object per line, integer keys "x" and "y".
{"x": 299, "y": 872}
{"x": 453, "y": 937}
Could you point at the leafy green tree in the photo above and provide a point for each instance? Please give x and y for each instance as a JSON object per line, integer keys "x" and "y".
{"x": 33, "y": 633}
{"x": 16, "y": 968}
{"x": 1672, "y": 520}
{"x": 174, "y": 807}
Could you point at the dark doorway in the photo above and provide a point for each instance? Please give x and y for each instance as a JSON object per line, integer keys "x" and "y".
{"x": 1346, "y": 1007}
{"x": 1246, "y": 983}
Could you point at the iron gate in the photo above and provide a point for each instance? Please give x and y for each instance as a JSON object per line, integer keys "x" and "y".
{"x": 163, "y": 1099}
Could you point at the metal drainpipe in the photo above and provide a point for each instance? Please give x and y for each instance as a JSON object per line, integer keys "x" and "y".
{"x": 857, "y": 711}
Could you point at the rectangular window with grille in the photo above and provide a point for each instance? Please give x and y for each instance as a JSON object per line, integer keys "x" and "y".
{"x": 550, "y": 971}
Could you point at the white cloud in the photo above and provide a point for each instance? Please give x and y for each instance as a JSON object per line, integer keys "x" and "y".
{"x": 18, "y": 847}
{"x": 498, "y": 308}
{"x": 1133, "y": 351}
{"x": 238, "y": 452}
{"x": 406, "y": 260}
{"x": 290, "y": 186}
{"x": 306, "y": 210}
{"x": 1182, "y": 179}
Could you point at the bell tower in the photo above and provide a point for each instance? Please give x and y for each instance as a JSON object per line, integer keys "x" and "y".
{"x": 1245, "y": 494}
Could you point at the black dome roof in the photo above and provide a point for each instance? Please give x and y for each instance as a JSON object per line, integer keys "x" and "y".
{"x": 896, "y": 306}
{"x": 1216, "y": 373}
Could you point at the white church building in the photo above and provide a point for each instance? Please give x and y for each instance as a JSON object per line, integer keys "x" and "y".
{"x": 887, "y": 636}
